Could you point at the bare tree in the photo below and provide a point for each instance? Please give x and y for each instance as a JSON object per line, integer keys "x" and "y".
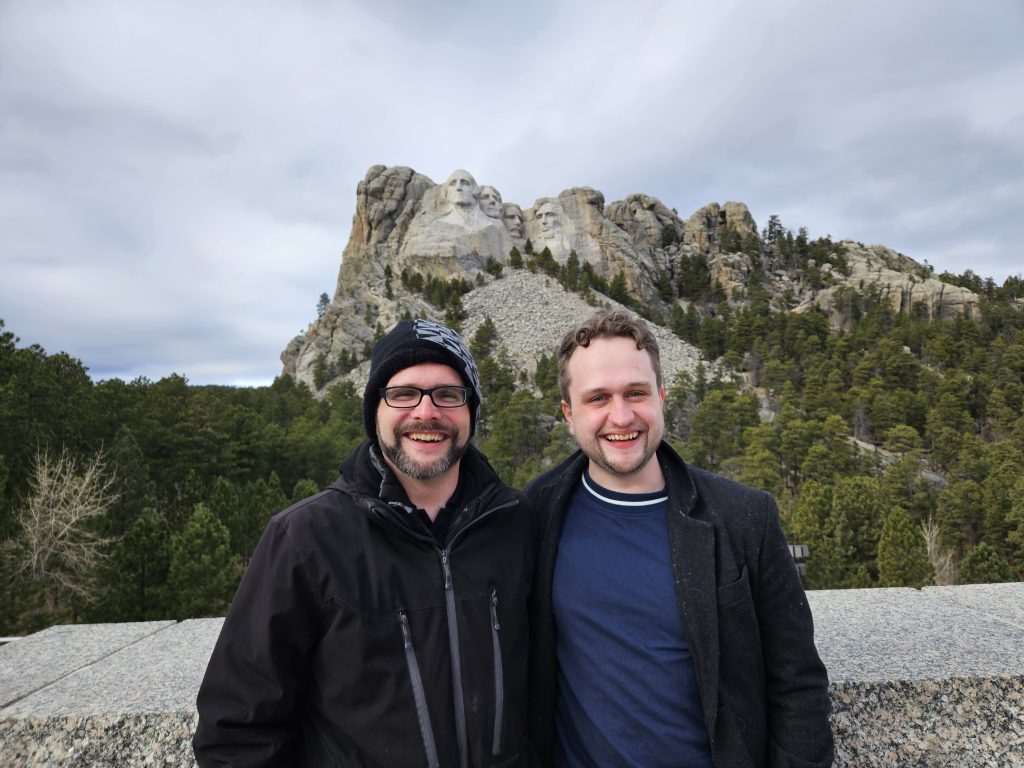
{"x": 59, "y": 546}
{"x": 941, "y": 558}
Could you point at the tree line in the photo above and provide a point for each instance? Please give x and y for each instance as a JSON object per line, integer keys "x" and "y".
{"x": 895, "y": 449}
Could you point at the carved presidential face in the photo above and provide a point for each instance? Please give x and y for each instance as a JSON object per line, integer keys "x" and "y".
{"x": 490, "y": 201}
{"x": 549, "y": 221}
{"x": 513, "y": 216}
{"x": 461, "y": 188}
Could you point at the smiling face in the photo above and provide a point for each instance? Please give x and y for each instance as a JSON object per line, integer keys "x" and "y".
{"x": 425, "y": 442}
{"x": 615, "y": 412}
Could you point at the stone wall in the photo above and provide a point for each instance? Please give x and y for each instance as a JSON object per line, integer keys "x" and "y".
{"x": 918, "y": 678}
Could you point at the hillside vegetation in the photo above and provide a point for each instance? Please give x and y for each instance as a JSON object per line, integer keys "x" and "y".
{"x": 894, "y": 444}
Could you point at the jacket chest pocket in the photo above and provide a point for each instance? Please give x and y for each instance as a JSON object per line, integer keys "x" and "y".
{"x": 418, "y": 692}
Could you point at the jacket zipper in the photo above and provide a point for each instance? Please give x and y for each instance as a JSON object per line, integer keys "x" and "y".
{"x": 453, "y": 640}
{"x": 456, "y": 654}
{"x": 499, "y": 676}
{"x": 418, "y": 693}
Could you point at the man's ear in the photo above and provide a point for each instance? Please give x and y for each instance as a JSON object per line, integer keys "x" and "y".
{"x": 661, "y": 394}
{"x": 567, "y": 412}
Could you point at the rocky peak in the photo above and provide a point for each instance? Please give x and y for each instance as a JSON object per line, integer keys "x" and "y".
{"x": 906, "y": 285}
{"x": 408, "y": 230}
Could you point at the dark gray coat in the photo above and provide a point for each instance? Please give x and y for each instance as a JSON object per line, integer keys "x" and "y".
{"x": 763, "y": 687}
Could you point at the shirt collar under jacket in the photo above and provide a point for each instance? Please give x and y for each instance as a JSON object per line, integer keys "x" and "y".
{"x": 620, "y": 501}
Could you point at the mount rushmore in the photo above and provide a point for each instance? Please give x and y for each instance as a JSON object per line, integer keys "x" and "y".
{"x": 407, "y": 224}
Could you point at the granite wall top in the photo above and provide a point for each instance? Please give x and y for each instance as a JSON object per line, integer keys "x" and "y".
{"x": 918, "y": 678}
{"x": 933, "y": 634}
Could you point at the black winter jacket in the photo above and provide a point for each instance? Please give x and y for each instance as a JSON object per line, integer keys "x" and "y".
{"x": 355, "y": 639}
{"x": 763, "y": 688}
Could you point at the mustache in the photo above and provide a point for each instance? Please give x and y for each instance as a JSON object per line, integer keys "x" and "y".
{"x": 425, "y": 426}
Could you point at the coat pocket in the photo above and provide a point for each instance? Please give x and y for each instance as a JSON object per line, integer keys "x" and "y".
{"x": 737, "y": 591}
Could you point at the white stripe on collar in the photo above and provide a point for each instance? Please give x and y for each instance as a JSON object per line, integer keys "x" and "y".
{"x": 620, "y": 502}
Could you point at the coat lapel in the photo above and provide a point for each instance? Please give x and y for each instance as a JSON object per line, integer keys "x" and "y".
{"x": 692, "y": 544}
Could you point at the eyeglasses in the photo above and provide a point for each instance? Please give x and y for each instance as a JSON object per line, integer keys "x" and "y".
{"x": 409, "y": 397}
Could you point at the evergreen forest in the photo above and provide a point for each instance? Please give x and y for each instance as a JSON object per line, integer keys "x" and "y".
{"x": 895, "y": 449}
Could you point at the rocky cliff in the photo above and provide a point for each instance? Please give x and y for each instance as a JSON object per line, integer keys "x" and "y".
{"x": 405, "y": 224}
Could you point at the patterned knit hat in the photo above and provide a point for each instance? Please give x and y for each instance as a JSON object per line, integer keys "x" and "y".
{"x": 412, "y": 342}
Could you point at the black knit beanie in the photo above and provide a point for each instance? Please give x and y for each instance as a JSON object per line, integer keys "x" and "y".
{"x": 412, "y": 342}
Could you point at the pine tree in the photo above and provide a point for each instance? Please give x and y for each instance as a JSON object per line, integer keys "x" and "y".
{"x": 569, "y": 273}
{"x": 202, "y": 572}
{"x": 808, "y": 524}
{"x": 960, "y": 514}
{"x": 136, "y": 490}
{"x": 858, "y": 509}
{"x": 482, "y": 343}
{"x": 137, "y": 573}
{"x": 305, "y": 488}
{"x": 517, "y": 439}
{"x": 983, "y": 565}
{"x": 902, "y": 556}
{"x": 618, "y": 290}
{"x": 1015, "y": 519}
{"x": 997, "y": 493}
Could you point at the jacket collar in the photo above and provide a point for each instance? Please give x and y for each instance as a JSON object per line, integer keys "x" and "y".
{"x": 364, "y": 473}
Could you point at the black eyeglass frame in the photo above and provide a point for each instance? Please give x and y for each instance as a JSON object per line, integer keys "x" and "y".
{"x": 429, "y": 392}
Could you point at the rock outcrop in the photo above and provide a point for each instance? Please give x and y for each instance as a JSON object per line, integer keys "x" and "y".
{"x": 902, "y": 282}
{"x": 405, "y": 225}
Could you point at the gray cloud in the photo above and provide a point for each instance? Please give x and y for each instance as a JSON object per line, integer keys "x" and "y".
{"x": 177, "y": 180}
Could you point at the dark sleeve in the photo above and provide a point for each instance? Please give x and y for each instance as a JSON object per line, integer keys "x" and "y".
{"x": 248, "y": 699}
{"x": 796, "y": 684}
{"x": 542, "y": 670}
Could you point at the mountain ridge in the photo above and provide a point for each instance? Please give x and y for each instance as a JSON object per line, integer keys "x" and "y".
{"x": 637, "y": 249}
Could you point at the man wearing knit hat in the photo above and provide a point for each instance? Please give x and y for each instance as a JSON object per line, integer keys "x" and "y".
{"x": 383, "y": 620}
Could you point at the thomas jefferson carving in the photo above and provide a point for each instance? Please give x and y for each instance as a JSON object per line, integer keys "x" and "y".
{"x": 490, "y": 201}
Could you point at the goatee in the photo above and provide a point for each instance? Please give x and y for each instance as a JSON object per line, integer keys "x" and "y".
{"x": 418, "y": 471}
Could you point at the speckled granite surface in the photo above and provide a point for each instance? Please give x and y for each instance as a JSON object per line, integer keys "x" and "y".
{"x": 1001, "y": 601}
{"x": 160, "y": 673}
{"x": 135, "y": 706}
{"x": 49, "y": 655}
{"x": 69, "y": 741}
{"x": 930, "y": 678}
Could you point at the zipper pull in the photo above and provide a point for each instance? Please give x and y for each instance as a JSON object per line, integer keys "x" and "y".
{"x": 447, "y": 570}
{"x": 494, "y": 610}
{"x": 406, "y": 635}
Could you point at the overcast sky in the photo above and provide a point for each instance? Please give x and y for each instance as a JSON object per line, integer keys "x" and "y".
{"x": 177, "y": 179}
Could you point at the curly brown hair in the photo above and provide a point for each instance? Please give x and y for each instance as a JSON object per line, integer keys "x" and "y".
{"x": 606, "y": 324}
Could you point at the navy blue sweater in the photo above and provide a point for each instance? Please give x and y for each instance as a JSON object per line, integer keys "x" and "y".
{"x": 628, "y": 692}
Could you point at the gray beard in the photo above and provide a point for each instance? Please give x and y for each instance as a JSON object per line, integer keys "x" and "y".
{"x": 397, "y": 455}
